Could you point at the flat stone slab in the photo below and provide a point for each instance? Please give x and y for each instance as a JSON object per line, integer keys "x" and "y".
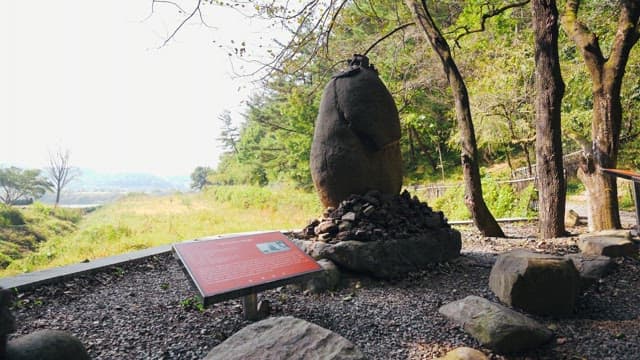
{"x": 496, "y": 326}
{"x": 285, "y": 337}
{"x": 611, "y": 243}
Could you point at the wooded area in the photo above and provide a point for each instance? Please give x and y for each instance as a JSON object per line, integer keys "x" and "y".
{"x": 506, "y": 61}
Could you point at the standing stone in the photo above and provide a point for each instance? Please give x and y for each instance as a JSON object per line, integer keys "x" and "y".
{"x": 285, "y": 338}
{"x": 536, "y": 283}
{"x": 356, "y": 138}
{"x": 495, "y": 326}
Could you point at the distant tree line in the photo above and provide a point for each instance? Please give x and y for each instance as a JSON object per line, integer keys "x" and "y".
{"x": 21, "y": 186}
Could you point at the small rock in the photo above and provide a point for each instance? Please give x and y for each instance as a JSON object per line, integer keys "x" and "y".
{"x": 368, "y": 210}
{"x": 571, "y": 218}
{"x": 350, "y": 216}
{"x": 464, "y": 353}
{"x": 326, "y": 227}
{"x": 345, "y": 226}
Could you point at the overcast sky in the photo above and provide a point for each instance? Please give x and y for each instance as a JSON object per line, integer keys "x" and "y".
{"x": 87, "y": 75}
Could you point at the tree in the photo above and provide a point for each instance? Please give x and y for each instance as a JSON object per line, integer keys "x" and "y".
{"x": 199, "y": 178}
{"x": 549, "y": 92}
{"x": 16, "y": 183}
{"x": 482, "y": 217}
{"x": 60, "y": 171}
{"x": 606, "y": 76}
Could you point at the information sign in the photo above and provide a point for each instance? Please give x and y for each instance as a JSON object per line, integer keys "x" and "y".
{"x": 236, "y": 266}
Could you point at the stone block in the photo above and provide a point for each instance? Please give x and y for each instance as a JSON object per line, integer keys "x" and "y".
{"x": 536, "y": 283}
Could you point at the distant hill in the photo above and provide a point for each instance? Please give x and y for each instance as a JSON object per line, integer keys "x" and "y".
{"x": 90, "y": 180}
{"x": 93, "y": 187}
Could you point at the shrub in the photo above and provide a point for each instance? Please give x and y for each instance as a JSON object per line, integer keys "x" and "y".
{"x": 10, "y": 216}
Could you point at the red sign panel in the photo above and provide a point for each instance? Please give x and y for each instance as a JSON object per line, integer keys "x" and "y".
{"x": 239, "y": 265}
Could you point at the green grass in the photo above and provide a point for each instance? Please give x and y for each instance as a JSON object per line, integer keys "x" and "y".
{"x": 141, "y": 221}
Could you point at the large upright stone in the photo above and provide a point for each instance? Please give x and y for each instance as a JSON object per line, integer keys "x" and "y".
{"x": 356, "y": 138}
{"x": 536, "y": 283}
{"x": 495, "y": 326}
{"x": 611, "y": 243}
{"x": 285, "y": 338}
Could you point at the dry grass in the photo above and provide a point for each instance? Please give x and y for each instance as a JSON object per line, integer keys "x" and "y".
{"x": 142, "y": 221}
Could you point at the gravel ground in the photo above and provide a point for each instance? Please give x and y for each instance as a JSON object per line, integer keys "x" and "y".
{"x": 145, "y": 310}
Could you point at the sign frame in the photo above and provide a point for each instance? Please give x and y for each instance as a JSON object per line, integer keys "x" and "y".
{"x": 181, "y": 252}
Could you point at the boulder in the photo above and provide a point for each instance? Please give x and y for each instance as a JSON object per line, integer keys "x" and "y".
{"x": 571, "y": 218}
{"x": 611, "y": 243}
{"x": 591, "y": 267}
{"x": 464, "y": 353}
{"x": 495, "y": 326}
{"x": 536, "y": 283}
{"x": 285, "y": 338}
{"x": 356, "y": 138}
{"x": 393, "y": 258}
{"x": 46, "y": 345}
{"x": 327, "y": 279}
{"x": 315, "y": 249}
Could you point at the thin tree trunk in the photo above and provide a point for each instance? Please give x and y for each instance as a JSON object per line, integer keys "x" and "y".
{"x": 482, "y": 217}
{"x": 606, "y": 76}
{"x": 549, "y": 93}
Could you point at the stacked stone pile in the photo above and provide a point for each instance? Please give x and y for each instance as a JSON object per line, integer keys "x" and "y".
{"x": 386, "y": 236}
{"x": 374, "y": 217}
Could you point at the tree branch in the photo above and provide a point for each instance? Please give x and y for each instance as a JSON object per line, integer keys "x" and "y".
{"x": 484, "y": 19}
{"x": 586, "y": 41}
{"x": 403, "y": 26}
{"x": 195, "y": 11}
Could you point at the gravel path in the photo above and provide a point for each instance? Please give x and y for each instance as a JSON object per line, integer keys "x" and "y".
{"x": 145, "y": 310}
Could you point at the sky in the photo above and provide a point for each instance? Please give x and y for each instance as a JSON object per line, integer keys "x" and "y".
{"x": 90, "y": 76}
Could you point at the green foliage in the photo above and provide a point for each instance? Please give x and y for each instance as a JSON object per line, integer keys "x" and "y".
{"x": 32, "y": 226}
{"x": 501, "y": 198}
{"x": 10, "y": 216}
{"x": 17, "y": 184}
{"x": 452, "y": 204}
{"x": 192, "y": 303}
{"x": 199, "y": 177}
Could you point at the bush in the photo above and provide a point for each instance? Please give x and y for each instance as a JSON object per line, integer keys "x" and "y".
{"x": 501, "y": 199}
{"x": 10, "y": 216}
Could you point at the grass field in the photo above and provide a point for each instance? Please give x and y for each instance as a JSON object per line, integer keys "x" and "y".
{"x": 141, "y": 221}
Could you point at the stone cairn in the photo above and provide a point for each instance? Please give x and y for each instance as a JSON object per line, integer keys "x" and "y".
{"x": 386, "y": 236}
{"x": 374, "y": 217}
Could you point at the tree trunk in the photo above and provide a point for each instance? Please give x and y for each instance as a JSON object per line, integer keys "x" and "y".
{"x": 482, "y": 217}
{"x": 606, "y": 76}
{"x": 549, "y": 93}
